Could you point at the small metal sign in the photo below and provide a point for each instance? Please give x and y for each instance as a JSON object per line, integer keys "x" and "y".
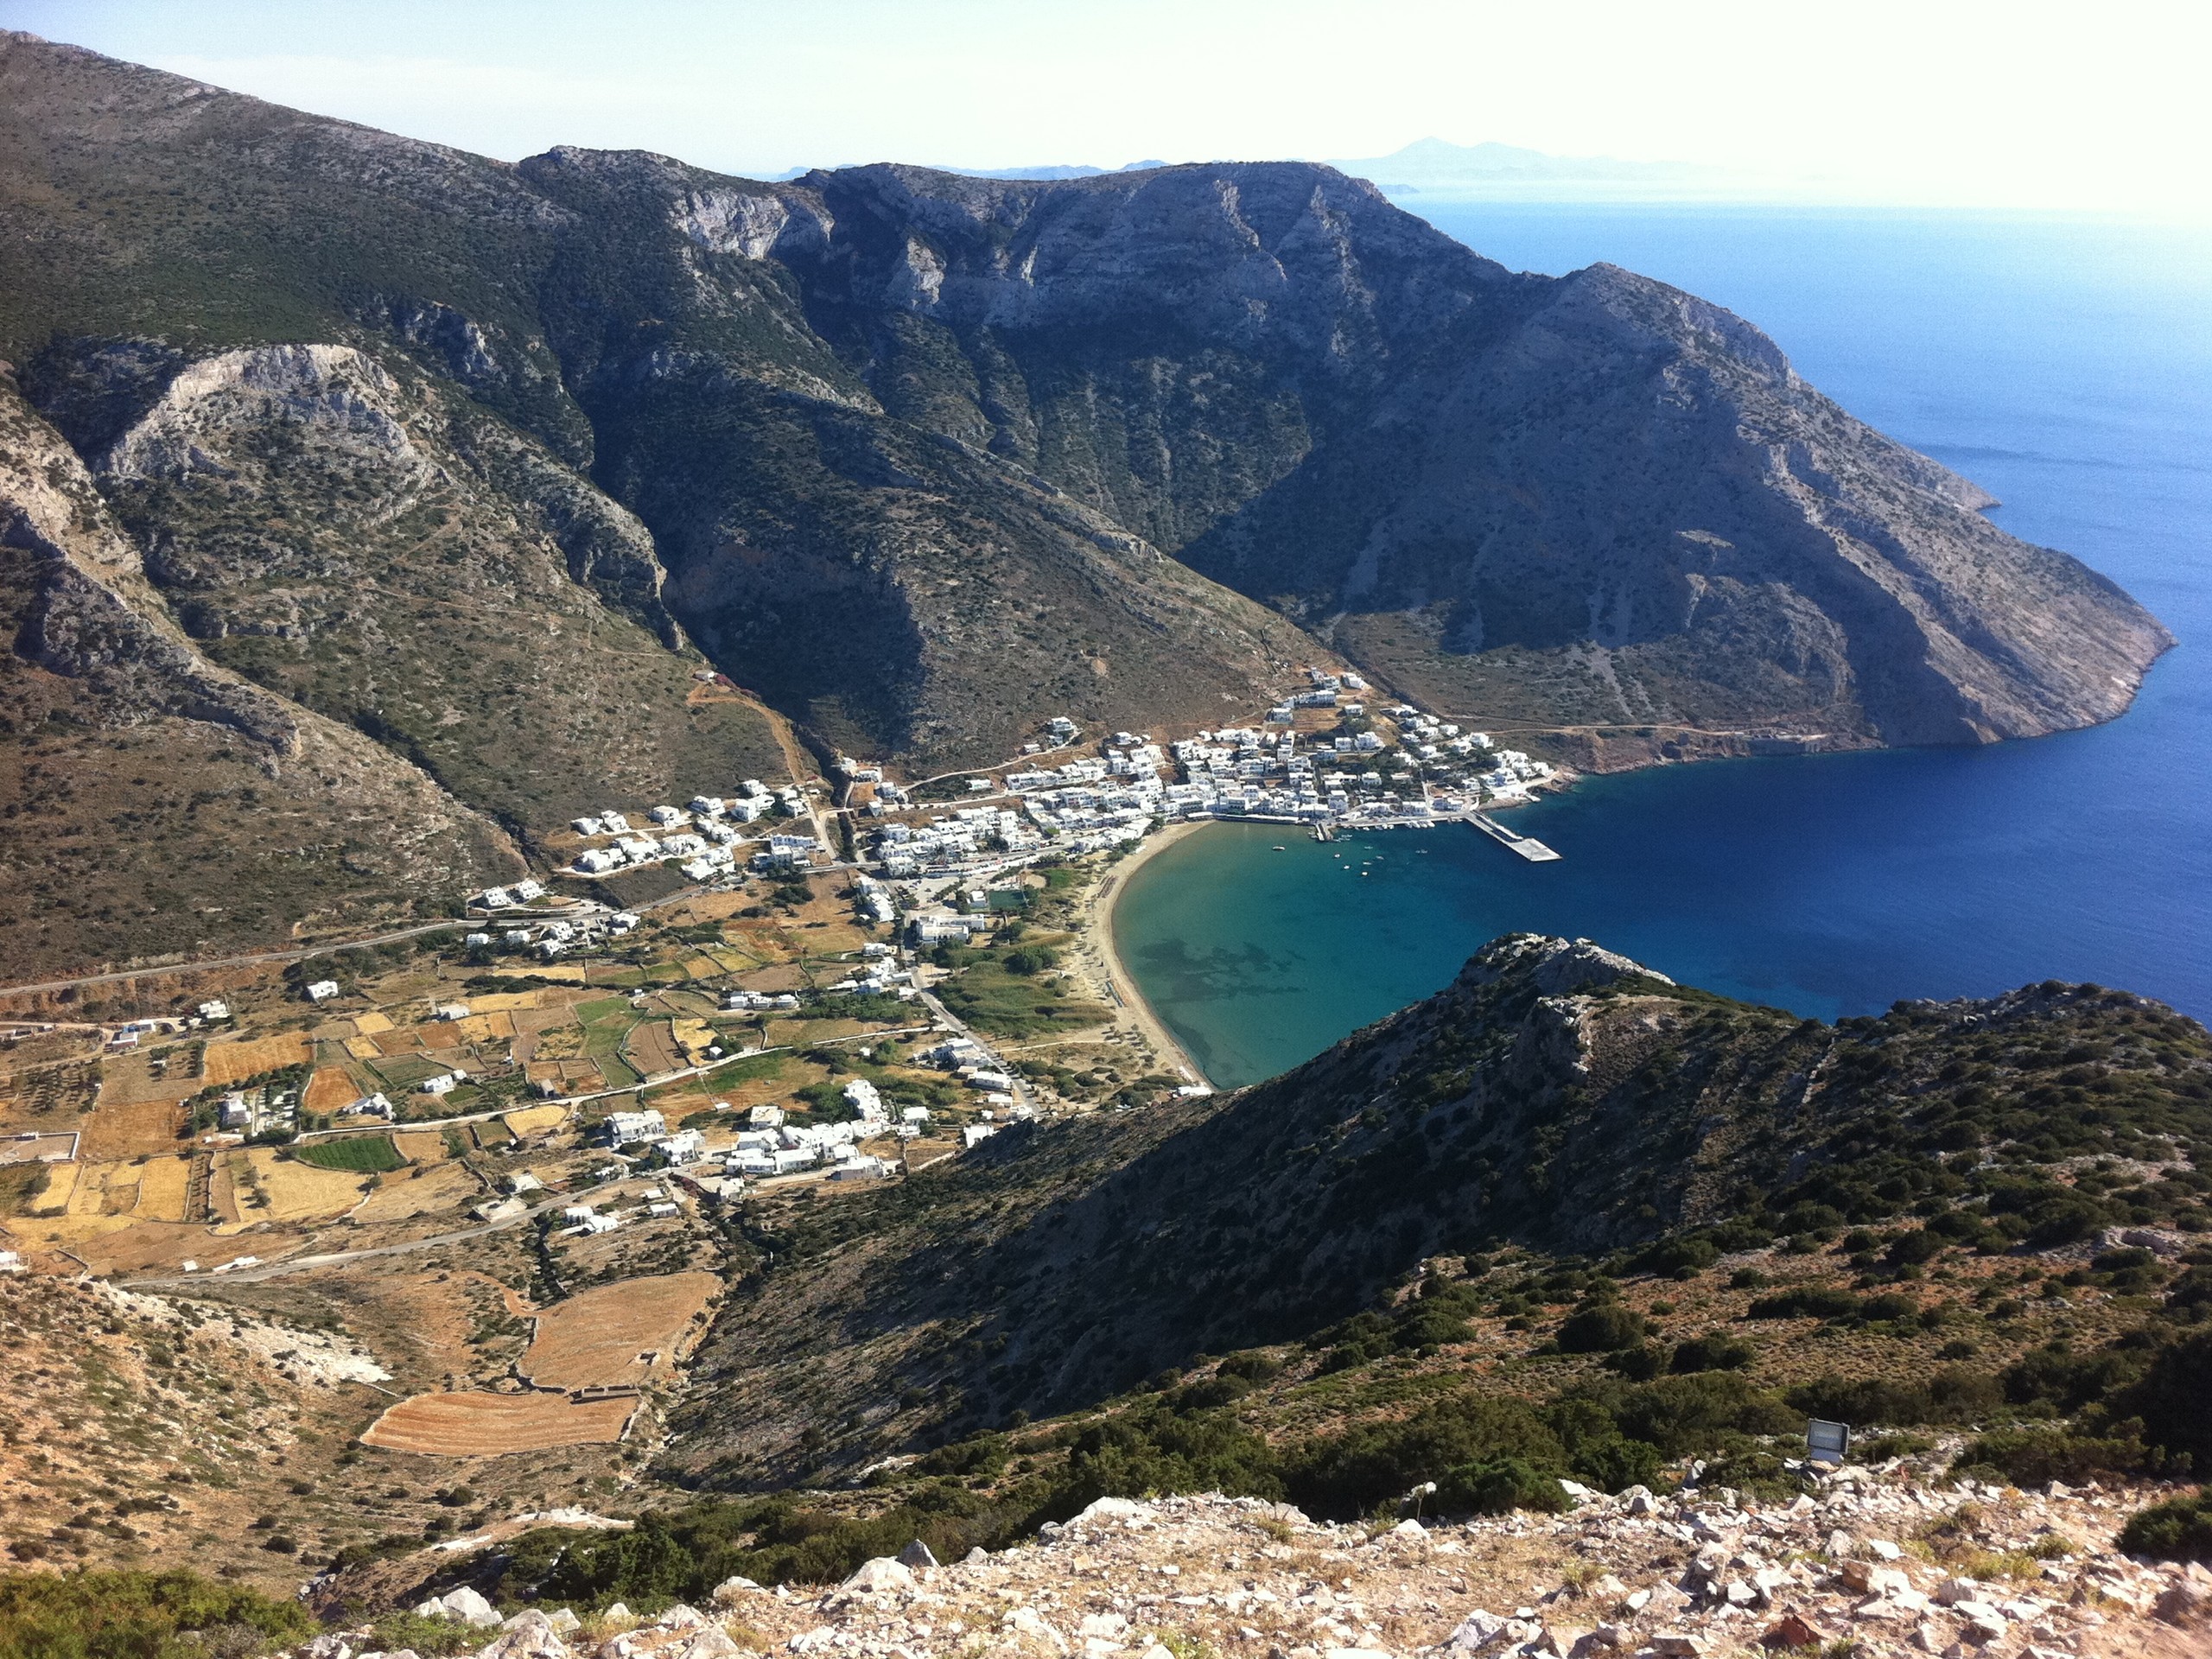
{"x": 1827, "y": 1442}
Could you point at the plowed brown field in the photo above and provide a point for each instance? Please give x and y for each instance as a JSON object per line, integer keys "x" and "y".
{"x": 329, "y": 1088}
{"x": 624, "y": 1332}
{"x": 484, "y": 1425}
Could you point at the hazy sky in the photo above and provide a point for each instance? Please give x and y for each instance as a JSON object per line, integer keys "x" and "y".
{"x": 2097, "y": 104}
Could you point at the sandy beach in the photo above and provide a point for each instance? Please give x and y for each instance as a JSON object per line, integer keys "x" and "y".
{"x": 1102, "y": 964}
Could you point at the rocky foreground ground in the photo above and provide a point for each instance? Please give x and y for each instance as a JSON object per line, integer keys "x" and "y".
{"x": 1870, "y": 1565}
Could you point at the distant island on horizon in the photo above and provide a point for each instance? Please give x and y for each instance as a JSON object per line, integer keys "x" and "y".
{"x": 1437, "y": 166}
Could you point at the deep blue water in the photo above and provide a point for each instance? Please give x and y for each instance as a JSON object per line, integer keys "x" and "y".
{"x": 2066, "y": 366}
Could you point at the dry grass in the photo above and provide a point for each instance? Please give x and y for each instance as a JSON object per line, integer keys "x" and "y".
{"x": 480, "y": 1424}
{"x": 294, "y": 1191}
{"x": 480, "y": 1027}
{"x": 135, "y": 1130}
{"x": 625, "y": 1332}
{"x": 405, "y": 1194}
{"x": 651, "y": 1048}
{"x": 228, "y": 1063}
{"x": 421, "y": 1145}
{"x": 503, "y": 1003}
{"x": 535, "y": 1121}
{"x": 328, "y": 1090}
{"x": 162, "y": 1184}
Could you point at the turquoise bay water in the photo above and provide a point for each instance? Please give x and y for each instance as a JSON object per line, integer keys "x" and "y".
{"x": 2064, "y": 364}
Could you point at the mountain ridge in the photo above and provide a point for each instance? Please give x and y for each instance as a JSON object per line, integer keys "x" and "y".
{"x": 1134, "y": 447}
{"x": 1556, "y": 1098}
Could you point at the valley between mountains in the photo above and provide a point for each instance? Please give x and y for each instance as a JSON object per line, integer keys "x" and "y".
{"x": 455, "y": 1199}
{"x": 414, "y": 501}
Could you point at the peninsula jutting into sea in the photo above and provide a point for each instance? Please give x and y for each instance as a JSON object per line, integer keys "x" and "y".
{"x": 1134, "y": 914}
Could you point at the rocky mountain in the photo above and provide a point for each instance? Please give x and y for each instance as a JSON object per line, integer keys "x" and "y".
{"x": 1703, "y": 1571}
{"x": 1555, "y": 1097}
{"x": 158, "y": 800}
{"x": 487, "y": 465}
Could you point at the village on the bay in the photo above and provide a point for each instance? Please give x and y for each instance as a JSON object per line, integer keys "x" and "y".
{"x": 751, "y": 989}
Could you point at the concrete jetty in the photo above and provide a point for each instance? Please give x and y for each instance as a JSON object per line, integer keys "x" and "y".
{"x": 1528, "y": 846}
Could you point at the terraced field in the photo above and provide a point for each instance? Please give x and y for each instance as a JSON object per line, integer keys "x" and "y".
{"x": 481, "y": 1425}
{"x": 627, "y": 1332}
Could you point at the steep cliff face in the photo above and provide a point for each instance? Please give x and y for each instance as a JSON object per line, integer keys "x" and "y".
{"x": 157, "y": 801}
{"x": 785, "y": 482}
{"x": 1632, "y": 489}
{"x": 927, "y": 403}
{"x": 347, "y": 534}
{"x": 1589, "y": 499}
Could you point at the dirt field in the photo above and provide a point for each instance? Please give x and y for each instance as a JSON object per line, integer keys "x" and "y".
{"x": 294, "y": 1191}
{"x": 572, "y": 1077}
{"x": 161, "y": 1185}
{"x": 228, "y": 1063}
{"x": 652, "y": 1050}
{"x": 481, "y": 1425}
{"x": 61, "y": 1188}
{"x": 404, "y": 1195}
{"x": 105, "y": 1190}
{"x": 133, "y": 1131}
{"x": 328, "y": 1090}
{"x": 147, "y": 1245}
{"x": 625, "y": 1332}
{"x": 484, "y": 1027}
{"x": 530, "y": 1021}
{"x": 83, "y": 1203}
{"x": 421, "y": 1145}
{"x": 794, "y": 1034}
{"x": 786, "y": 978}
{"x": 138, "y": 1079}
{"x": 368, "y": 1025}
{"x": 536, "y": 1121}
{"x": 503, "y": 1003}
{"x": 709, "y": 907}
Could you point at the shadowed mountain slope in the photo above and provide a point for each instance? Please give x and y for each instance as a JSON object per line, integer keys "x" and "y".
{"x": 1554, "y": 1095}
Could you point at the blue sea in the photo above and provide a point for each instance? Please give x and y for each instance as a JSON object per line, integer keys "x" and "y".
{"x": 2064, "y": 364}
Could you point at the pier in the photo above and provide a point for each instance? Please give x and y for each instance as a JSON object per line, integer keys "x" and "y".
{"x": 1528, "y": 846}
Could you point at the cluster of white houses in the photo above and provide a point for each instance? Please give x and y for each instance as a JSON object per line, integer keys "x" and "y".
{"x": 879, "y": 975}
{"x": 910, "y": 850}
{"x": 703, "y": 836}
{"x": 1270, "y": 772}
{"x": 770, "y": 1145}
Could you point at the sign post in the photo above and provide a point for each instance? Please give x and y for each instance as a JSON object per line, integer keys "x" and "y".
{"x": 1827, "y": 1442}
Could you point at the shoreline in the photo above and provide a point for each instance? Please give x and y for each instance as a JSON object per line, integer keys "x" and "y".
{"x": 1109, "y": 977}
{"x": 1102, "y": 963}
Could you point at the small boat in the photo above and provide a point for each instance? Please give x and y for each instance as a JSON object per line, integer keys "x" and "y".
{"x": 1282, "y": 849}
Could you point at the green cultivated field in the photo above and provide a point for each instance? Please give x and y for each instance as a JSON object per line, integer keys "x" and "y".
{"x": 367, "y": 1154}
{"x": 607, "y": 1024}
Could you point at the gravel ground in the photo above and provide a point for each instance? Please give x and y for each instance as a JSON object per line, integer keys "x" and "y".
{"x": 1873, "y": 1565}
